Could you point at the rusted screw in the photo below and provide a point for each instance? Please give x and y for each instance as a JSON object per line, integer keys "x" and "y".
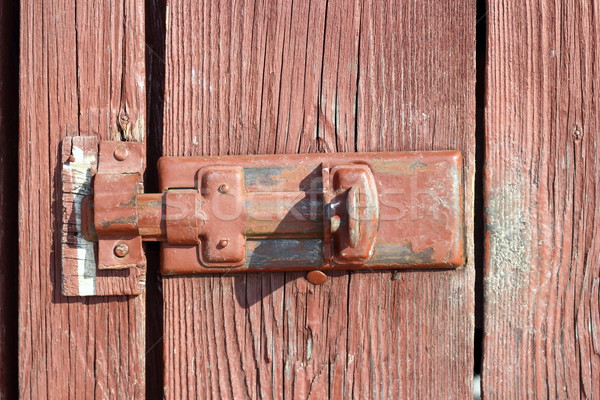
{"x": 224, "y": 188}
{"x": 121, "y": 250}
{"x": 121, "y": 152}
{"x": 71, "y": 158}
{"x": 223, "y": 243}
{"x": 316, "y": 277}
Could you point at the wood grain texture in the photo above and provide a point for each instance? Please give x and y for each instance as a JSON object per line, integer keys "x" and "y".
{"x": 542, "y": 182}
{"x": 9, "y": 128}
{"x": 256, "y": 77}
{"x": 82, "y": 70}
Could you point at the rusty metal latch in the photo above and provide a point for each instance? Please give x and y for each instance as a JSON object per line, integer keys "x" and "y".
{"x": 310, "y": 212}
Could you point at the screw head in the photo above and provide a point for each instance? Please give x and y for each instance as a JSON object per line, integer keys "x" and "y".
{"x": 121, "y": 250}
{"x": 224, "y": 188}
{"x": 71, "y": 158}
{"x": 121, "y": 152}
{"x": 223, "y": 243}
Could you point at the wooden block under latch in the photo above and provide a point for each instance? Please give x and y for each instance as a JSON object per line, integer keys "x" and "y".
{"x": 80, "y": 275}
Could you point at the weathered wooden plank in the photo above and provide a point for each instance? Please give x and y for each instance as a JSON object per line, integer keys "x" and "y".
{"x": 411, "y": 334}
{"x": 542, "y": 277}
{"x": 256, "y": 77}
{"x": 9, "y": 108}
{"x": 82, "y": 68}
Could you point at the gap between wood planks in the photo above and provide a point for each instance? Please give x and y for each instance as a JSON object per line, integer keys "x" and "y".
{"x": 479, "y": 206}
{"x": 9, "y": 147}
{"x": 155, "y": 20}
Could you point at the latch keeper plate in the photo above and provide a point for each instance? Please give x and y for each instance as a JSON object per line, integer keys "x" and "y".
{"x": 90, "y": 267}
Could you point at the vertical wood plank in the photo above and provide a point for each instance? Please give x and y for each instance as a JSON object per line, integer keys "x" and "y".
{"x": 542, "y": 182}
{"x": 256, "y": 77}
{"x": 9, "y": 109}
{"x": 411, "y": 333}
{"x": 82, "y": 70}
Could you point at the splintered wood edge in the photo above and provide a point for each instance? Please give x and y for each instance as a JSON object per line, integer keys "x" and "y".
{"x": 78, "y": 260}
{"x": 80, "y": 277}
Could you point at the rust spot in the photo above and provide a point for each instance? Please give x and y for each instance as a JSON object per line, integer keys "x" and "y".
{"x": 416, "y": 165}
{"x": 118, "y": 221}
{"x": 130, "y": 203}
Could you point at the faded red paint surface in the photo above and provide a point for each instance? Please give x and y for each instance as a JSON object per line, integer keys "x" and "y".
{"x": 412, "y": 217}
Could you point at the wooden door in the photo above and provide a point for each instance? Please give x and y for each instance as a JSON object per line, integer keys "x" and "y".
{"x": 244, "y": 77}
{"x": 285, "y": 76}
{"x": 259, "y": 77}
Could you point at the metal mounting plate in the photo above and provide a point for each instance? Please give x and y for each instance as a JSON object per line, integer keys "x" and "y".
{"x": 420, "y": 211}
{"x": 88, "y": 267}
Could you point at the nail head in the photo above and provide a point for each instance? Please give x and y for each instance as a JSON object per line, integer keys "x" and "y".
{"x": 121, "y": 152}
{"x": 316, "y": 277}
{"x": 224, "y": 188}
